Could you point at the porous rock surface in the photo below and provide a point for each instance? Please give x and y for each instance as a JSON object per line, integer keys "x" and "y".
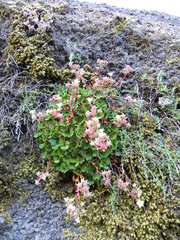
{"x": 141, "y": 39}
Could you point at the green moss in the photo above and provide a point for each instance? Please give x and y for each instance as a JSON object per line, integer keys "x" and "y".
{"x": 4, "y": 13}
{"x": 140, "y": 40}
{"x": 155, "y": 221}
{"x": 148, "y": 125}
{"x": 56, "y": 187}
{"x": 119, "y": 23}
{"x": 31, "y": 49}
{"x": 12, "y": 176}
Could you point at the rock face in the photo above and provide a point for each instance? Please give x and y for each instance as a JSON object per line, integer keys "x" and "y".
{"x": 147, "y": 41}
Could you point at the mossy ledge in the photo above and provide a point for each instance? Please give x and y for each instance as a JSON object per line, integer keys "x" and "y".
{"x": 31, "y": 49}
{"x": 128, "y": 221}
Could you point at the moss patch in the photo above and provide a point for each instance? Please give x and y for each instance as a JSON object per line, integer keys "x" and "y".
{"x": 31, "y": 49}
{"x": 154, "y": 221}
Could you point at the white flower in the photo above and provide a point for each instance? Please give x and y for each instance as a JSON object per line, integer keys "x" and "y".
{"x": 33, "y": 114}
{"x": 88, "y": 114}
{"x": 140, "y": 203}
{"x": 109, "y": 143}
{"x": 89, "y": 100}
{"x": 76, "y": 83}
{"x": 95, "y": 120}
{"x": 36, "y": 182}
{"x": 110, "y": 74}
{"x": 118, "y": 118}
{"x": 71, "y": 207}
{"x": 164, "y": 101}
{"x": 92, "y": 143}
{"x": 101, "y": 133}
{"x": 59, "y": 105}
{"x": 66, "y": 199}
{"x": 77, "y": 220}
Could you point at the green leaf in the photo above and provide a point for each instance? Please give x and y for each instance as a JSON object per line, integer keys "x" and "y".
{"x": 53, "y": 141}
{"x": 42, "y": 145}
{"x": 107, "y": 152}
{"x": 40, "y": 125}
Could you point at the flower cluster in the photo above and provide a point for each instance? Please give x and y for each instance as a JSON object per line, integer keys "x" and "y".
{"x": 56, "y": 112}
{"x": 83, "y": 188}
{"x": 122, "y": 185}
{"x": 75, "y": 210}
{"x": 122, "y": 120}
{"x": 55, "y": 98}
{"x": 106, "y": 177}
{"x": 71, "y": 209}
{"x": 42, "y": 176}
{"x": 74, "y": 85}
{"x": 36, "y": 116}
{"x": 128, "y": 100}
{"x": 136, "y": 194}
{"x": 101, "y": 63}
{"x": 163, "y": 101}
{"x": 97, "y": 136}
{"x": 92, "y": 128}
{"x": 101, "y": 142}
{"x": 103, "y": 82}
{"x": 127, "y": 70}
{"x": 34, "y": 22}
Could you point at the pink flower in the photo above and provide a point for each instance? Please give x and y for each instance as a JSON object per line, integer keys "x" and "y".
{"x": 129, "y": 99}
{"x": 127, "y": 70}
{"x": 101, "y": 141}
{"x": 101, "y": 62}
{"x": 88, "y": 114}
{"x": 35, "y": 20}
{"x": 26, "y": 23}
{"x": 93, "y": 111}
{"x": 122, "y": 185}
{"x": 30, "y": 27}
{"x": 39, "y": 116}
{"x": 34, "y": 13}
{"x": 25, "y": 14}
{"x": 55, "y": 98}
{"x": 68, "y": 85}
{"x": 106, "y": 177}
{"x": 83, "y": 188}
{"x": 75, "y": 83}
{"x": 121, "y": 120}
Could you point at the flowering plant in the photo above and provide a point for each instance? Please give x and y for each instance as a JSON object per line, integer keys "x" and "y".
{"x": 81, "y": 127}
{"x": 35, "y": 22}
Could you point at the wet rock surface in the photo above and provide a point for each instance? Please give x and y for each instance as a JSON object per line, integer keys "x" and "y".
{"x": 147, "y": 41}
